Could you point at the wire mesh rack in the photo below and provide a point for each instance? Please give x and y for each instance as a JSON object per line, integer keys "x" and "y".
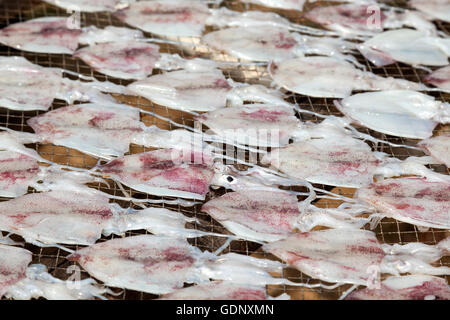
{"x": 388, "y": 231}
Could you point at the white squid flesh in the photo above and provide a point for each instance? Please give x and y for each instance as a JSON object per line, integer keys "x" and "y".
{"x": 203, "y": 90}
{"x": 331, "y": 78}
{"x": 26, "y": 86}
{"x": 47, "y": 35}
{"x": 328, "y": 153}
{"x": 164, "y": 172}
{"x": 166, "y": 18}
{"x": 362, "y": 19}
{"x": 353, "y": 256}
{"x": 434, "y": 9}
{"x": 271, "y": 215}
{"x": 408, "y": 46}
{"x": 438, "y": 147}
{"x": 423, "y": 202}
{"x": 411, "y": 287}
{"x": 261, "y": 125}
{"x": 440, "y": 78}
{"x": 401, "y": 113}
{"x": 219, "y": 290}
{"x": 90, "y": 6}
{"x": 267, "y": 43}
{"x": 22, "y": 282}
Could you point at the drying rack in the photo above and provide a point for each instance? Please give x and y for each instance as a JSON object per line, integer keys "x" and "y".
{"x": 388, "y": 231}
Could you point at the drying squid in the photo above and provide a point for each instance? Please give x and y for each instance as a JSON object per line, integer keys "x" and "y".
{"x": 17, "y": 172}
{"x": 270, "y": 215}
{"x": 266, "y": 43}
{"x": 22, "y": 282}
{"x": 68, "y": 212}
{"x": 330, "y": 154}
{"x": 363, "y": 19}
{"x": 219, "y": 290}
{"x": 26, "y": 86}
{"x": 280, "y": 4}
{"x": 160, "y": 265}
{"x": 262, "y": 125}
{"x": 224, "y": 17}
{"x": 187, "y": 173}
{"x": 125, "y": 60}
{"x": 203, "y": 90}
{"x": 90, "y": 6}
{"x": 59, "y": 35}
{"x": 331, "y": 78}
{"x": 13, "y": 264}
{"x": 188, "y": 18}
{"x": 408, "y": 46}
{"x": 354, "y": 256}
{"x": 167, "y": 18}
{"x": 48, "y": 35}
{"x": 437, "y": 147}
{"x": 19, "y": 166}
{"x": 403, "y": 113}
{"x": 440, "y": 78}
{"x": 424, "y": 202}
{"x": 136, "y": 59}
{"x": 434, "y": 9}
{"x": 296, "y": 4}
{"x": 166, "y": 172}
{"x": 410, "y": 287}
{"x": 104, "y": 129}
{"x": 97, "y": 129}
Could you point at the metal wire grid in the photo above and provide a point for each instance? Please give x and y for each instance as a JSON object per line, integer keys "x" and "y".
{"x": 389, "y": 230}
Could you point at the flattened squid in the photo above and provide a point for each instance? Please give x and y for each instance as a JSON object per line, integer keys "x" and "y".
{"x": 134, "y": 58}
{"x": 17, "y": 172}
{"x": 103, "y": 129}
{"x": 361, "y": 19}
{"x": 219, "y": 290}
{"x": 267, "y": 43}
{"x": 270, "y": 215}
{"x": 48, "y": 35}
{"x": 165, "y": 172}
{"x": 332, "y": 78}
{"x": 66, "y": 211}
{"x": 59, "y": 35}
{"x": 434, "y": 9}
{"x": 403, "y": 113}
{"x": 408, "y": 46}
{"x": 437, "y": 147}
{"x": 19, "y": 166}
{"x": 410, "y": 287}
{"x": 202, "y": 90}
{"x": 90, "y": 6}
{"x": 329, "y": 153}
{"x": 22, "y": 282}
{"x": 354, "y": 256}
{"x": 188, "y": 18}
{"x": 280, "y": 4}
{"x": 160, "y": 265}
{"x": 97, "y": 129}
{"x": 295, "y": 4}
{"x": 424, "y": 202}
{"x": 167, "y": 18}
{"x": 263, "y": 125}
{"x": 440, "y": 78}
{"x": 26, "y": 86}
{"x": 106, "y": 129}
